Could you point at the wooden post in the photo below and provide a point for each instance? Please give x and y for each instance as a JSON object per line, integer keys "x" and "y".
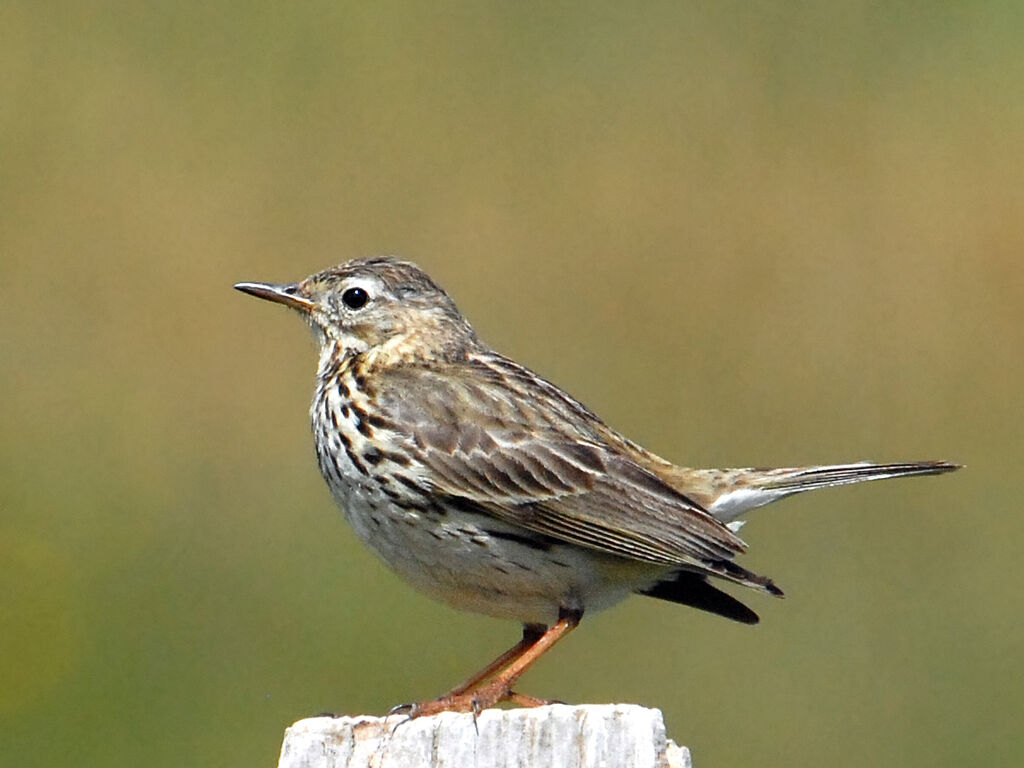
{"x": 556, "y": 736}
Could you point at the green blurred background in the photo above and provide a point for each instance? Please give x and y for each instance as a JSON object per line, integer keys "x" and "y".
{"x": 744, "y": 233}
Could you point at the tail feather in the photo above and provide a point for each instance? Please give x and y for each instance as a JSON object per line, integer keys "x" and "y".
{"x": 843, "y": 474}
{"x": 746, "y": 489}
{"x": 729, "y": 493}
{"x": 693, "y": 589}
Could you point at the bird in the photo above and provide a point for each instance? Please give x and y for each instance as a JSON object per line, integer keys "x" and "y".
{"x": 489, "y": 488}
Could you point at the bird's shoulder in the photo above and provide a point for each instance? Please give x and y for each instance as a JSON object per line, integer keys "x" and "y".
{"x": 483, "y": 390}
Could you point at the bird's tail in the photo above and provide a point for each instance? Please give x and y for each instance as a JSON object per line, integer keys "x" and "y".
{"x": 729, "y": 493}
{"x": 736, "y": 491}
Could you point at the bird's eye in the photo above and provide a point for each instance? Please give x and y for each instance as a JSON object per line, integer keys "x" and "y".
{"x": 355, "y": 298}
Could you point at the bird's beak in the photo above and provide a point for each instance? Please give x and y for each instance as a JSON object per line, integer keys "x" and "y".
{"x": 287, "y": 294}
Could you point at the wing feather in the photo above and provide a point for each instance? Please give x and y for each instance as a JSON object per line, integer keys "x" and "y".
{"x": 537, "y": 458}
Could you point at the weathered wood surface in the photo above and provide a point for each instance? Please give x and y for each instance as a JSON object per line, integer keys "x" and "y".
{"x": 556, "y": 736}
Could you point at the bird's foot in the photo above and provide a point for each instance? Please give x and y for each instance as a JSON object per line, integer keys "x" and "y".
{"x": 493, "y": 684}
{"x": 475, "y": 701}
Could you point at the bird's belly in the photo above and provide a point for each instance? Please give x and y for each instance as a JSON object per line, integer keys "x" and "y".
{"x": 477, "y": 563}
{"x": 457, "y": 555}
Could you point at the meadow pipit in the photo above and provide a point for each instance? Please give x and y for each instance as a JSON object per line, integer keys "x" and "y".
{"x": 490, "y": 489}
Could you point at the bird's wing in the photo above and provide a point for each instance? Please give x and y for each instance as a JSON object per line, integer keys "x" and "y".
{"x": 535, "y": 458}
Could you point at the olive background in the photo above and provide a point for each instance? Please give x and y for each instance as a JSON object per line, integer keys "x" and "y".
{"x": 744, "y": 233}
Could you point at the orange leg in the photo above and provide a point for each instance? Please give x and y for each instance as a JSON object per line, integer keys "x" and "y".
{"x": 531, "y": 634}
{"x": 476, "y": 695}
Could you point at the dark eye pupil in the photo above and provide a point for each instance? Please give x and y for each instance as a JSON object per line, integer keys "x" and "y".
{"x": 355, "y": 298}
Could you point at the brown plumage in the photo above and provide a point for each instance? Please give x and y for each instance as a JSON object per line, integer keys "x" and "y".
{"x": 490, "y": 488}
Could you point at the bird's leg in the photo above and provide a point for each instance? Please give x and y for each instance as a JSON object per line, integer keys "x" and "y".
{"x": 500, "y": 688}
{"x": 531, "y": 634}
{"x": 478, "y": 695}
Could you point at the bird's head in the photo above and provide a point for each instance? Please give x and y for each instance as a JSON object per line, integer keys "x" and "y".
{"x": 380, "y": 304}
